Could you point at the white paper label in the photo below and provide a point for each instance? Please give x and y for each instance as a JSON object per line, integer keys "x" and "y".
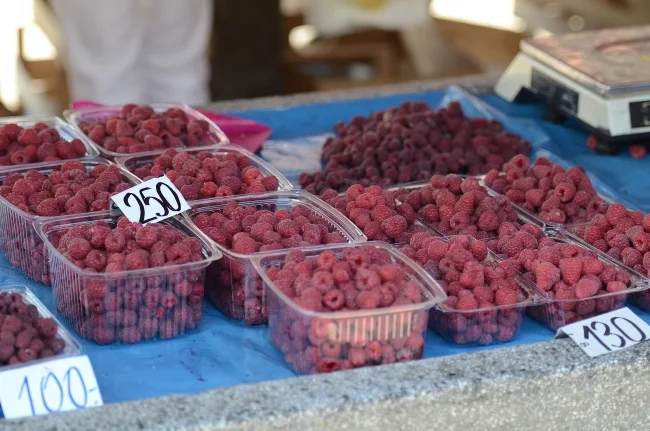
{"x": 151, "y": 201}
{"x": 616, "y": 330}
{"x": 53, "y": 386}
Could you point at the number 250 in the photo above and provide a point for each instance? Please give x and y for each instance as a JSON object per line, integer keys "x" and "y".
{"x": 144, "y": 201}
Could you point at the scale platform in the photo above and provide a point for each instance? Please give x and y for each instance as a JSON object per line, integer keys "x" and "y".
{"x": 601, "y": 78}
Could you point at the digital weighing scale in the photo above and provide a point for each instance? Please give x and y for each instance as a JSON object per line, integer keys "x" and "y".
{"x": 601, "y": 78}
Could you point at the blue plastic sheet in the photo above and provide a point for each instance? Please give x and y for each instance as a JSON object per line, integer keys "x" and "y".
{"x": 224, "y": 352}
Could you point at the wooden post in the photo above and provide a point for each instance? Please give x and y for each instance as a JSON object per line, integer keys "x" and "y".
{"x": 246, "y": 50}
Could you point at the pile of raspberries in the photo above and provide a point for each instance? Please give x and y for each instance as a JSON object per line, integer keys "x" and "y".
{"x": 547, "y": 190}
{"x": 376, "y": 212}
{"x": 625, "y": 236}
{"x": 473, "y": 281}
{"x": 24, "y": 334}
{"x": 362, "y": 277}
{"x": 233, "y": 285}
{"x": 209, "y": 174}
{"x": 72, "y": 189}
{"x": 40, "y": 143}
{"x": 129, "y": 308}
{"x": 456, "y": 206}
{"x": 139, "y": 128}
{"x": 409, "y": 143}
{"x": 569, "y": 273}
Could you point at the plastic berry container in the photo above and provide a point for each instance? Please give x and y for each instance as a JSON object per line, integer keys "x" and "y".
{"x": 18, "y": 239}
{"x": 413, "y": 226}
{"x": 132, "y": 163}
{"x": 642, "y": 298}
{"x": 488, "y": 322}
{"x": 215, "y": 136}
{"x": 66, "y": 133}
{"x": 560, "y": 312}
{"x": 403, "y": 190}
{"x": 66, "y": 344}
{"x": 318, "y": 342}
{"x": 232, "y": 284}
{"x": 115, "y": 307}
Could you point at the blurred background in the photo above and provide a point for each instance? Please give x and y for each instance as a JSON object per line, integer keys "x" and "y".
{"x": 271, "y": 47}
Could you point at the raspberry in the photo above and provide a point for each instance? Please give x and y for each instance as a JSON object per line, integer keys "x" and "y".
{"x": 638, "y": 151}
{"x": 394, "y": 225}
{"x": 615, "y": 212}
{"x": 467, "y": 303}
{"x": 79, "y": 248}
{"x": 114, "y": 242}
{"x": 506, "y": 296}
{"x": 546, "y": 275}
{"x": 571, "y": 269}
{"x": 586, "y": 288}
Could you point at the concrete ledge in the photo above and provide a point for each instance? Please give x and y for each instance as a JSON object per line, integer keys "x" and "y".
{"x": 542, "y": 386}
{"x": 477, "y": 82}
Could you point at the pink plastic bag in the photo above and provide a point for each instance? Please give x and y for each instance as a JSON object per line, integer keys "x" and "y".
{"x": 245, "y": 133}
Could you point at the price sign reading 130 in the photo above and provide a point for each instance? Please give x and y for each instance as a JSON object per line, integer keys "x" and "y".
{"x": 608, "y": 332}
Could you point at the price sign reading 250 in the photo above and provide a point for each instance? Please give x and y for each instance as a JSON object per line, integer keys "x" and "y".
{"x": 151, "y": 201}
{"x": 49, "y": 387}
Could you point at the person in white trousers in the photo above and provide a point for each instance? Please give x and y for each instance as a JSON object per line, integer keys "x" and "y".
{"x": 137, "y": 51}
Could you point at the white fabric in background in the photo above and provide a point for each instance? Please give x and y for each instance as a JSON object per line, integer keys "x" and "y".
{"x": 140, "y": 51}
{"x": 336, "y": 17}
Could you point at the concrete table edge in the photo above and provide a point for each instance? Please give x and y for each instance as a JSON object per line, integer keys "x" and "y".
{"x": 551, "y": 385}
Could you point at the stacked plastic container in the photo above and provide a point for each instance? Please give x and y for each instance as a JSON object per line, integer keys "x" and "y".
{"x": 130, "y": 305}
{"x": 65, "y": 131}
{"x": 48, "y": 345}
{"x": 18, "y": 239}
{"x": 490, "y": 323}
{"x": 233, "y": 285}
{"x": 215, "y": 136}
{"x": 319, "y": 341}
{"x": 558, "y": 312}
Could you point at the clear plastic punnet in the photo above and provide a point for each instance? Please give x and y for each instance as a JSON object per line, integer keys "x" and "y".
{"x": 18, "y": 239}
{"x": 642, "y": 298}
{"x": 492, "y": 319}
{"x": 128, "y": 306}
{"x": 61, "y": 344}
{"x": 320, "y": 342}
{"x": 558, "y": 312}
{"x": 215, "y": 136}
{"x": 232, "y": 283}
{"x": 138, "y": 163}
{"x": 402, "y": 191}
{"x": 66, "y": 132}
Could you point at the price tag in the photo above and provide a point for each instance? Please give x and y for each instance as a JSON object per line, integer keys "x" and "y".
{"x": 151, "y": 201}
{"x": 48, "y": 387}
{"x": 608, "y": 332}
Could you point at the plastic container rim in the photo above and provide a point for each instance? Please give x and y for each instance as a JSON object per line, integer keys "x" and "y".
{"x": 72, "y": 116}
{"x": 41, "y": 227}
{"x": 43, "y": 312}
{"x": 18, "y": 169}
{"x": 92, "y": 152}
{"x": 433, "y": 290}
{"x": 212, "y": 205}
{"x": 284, "y": 184}
{"x": 642, "y": 284}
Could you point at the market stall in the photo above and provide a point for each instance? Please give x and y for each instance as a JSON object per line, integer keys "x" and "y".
{"x": 205, "y": 368}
